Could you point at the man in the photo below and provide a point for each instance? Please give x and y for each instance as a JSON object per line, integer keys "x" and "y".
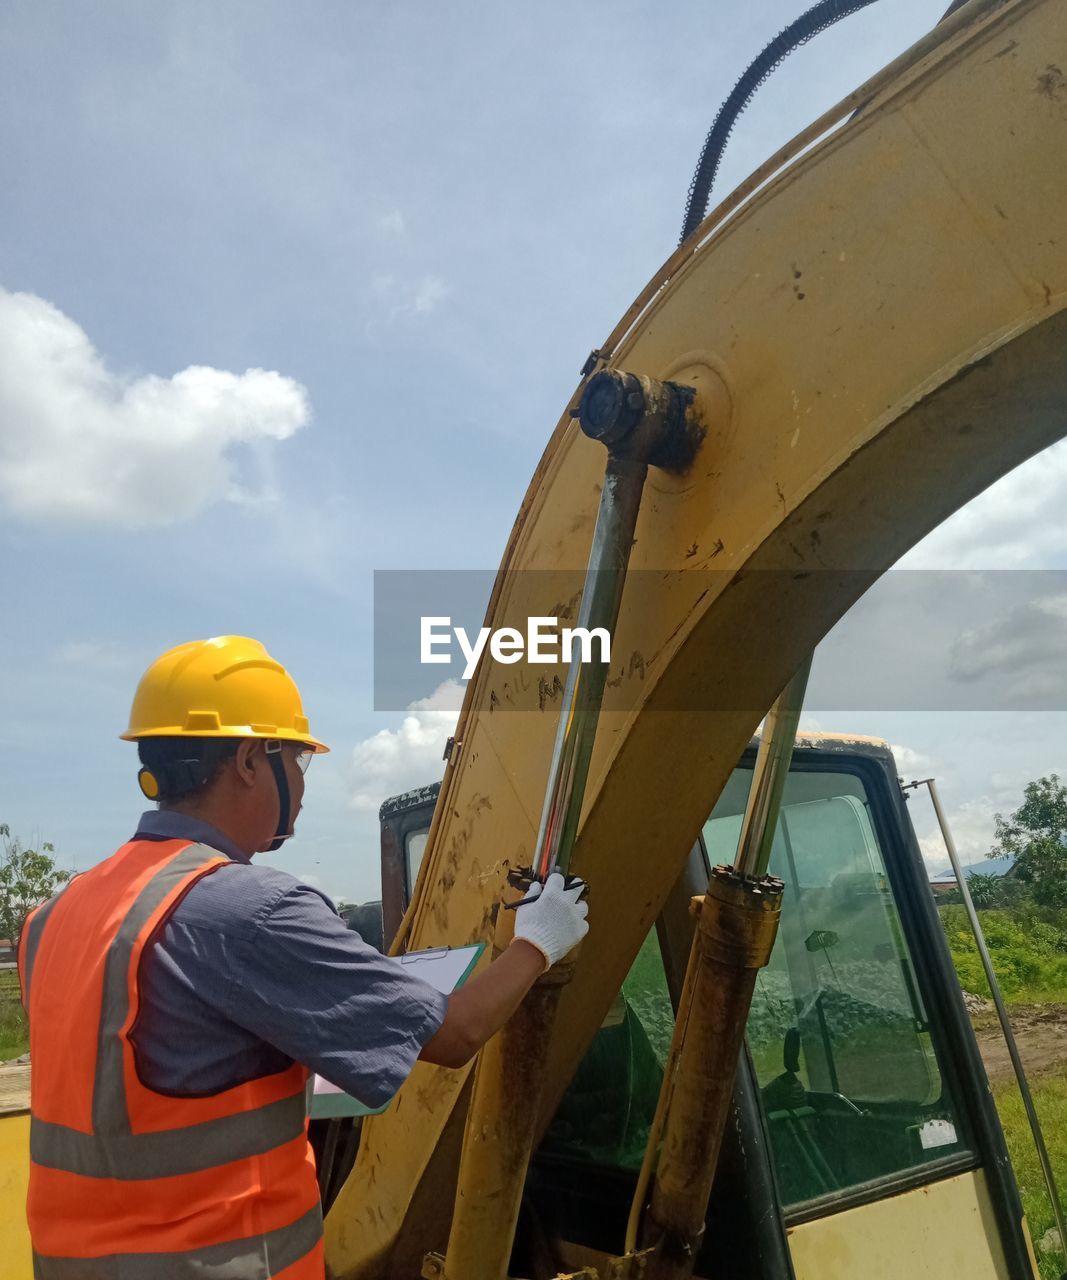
{"x": 179, "y": 994}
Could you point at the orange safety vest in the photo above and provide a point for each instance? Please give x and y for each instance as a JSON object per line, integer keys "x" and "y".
{"x": 126, "y": 1182}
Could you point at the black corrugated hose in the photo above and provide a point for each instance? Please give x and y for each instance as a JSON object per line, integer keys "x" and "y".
{"x": 809, "y": 24}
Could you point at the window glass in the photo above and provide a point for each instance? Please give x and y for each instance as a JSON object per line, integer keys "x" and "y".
{"x": 607, "y": 1111}
{"x": 414, "y": 849}
{"x": 837, "y": 1030}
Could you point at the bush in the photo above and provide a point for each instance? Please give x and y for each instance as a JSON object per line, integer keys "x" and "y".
{"x": 14, "y": 1033}
{"x": 1028, "y": 947}
{"x": 28, "y": 877}
{"x": 985, "y": 890}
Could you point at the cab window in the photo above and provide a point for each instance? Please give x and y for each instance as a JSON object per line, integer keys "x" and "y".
{"x": 838, "y": 1034}
{"x": 414, "y": 851}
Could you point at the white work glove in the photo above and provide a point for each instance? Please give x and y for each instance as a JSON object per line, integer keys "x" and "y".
{"x": 551, "y": 918}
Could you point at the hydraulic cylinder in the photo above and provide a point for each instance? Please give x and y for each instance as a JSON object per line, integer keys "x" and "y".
{"x": 499, "y": 1134}
{"x": 643, "y": 423}
{"x": 737, "y": 925}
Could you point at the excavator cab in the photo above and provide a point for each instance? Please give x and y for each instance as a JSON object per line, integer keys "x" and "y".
{"x": 860, "y": 1102}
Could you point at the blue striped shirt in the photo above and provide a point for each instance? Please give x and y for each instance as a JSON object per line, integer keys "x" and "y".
{"x": 254, "y": 970}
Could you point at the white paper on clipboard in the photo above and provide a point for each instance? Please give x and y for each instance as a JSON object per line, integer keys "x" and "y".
{"x": 444, "y": 968}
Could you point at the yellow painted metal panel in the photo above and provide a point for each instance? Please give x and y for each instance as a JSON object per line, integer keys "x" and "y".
{"x": 14, "y": 1175}
{"x": 942, "y": 1230}
{"x": 887, "y": 318}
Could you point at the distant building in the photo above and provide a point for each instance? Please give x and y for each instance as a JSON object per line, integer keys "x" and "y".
{"x": 945, "y": 881}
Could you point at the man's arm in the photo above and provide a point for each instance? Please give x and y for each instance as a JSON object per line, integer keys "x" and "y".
{"x": 546, "y": 928}
{"x": 480, "y": 1008}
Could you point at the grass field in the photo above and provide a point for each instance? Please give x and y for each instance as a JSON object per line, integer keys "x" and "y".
{"x": 1028, "y": 947}
{"x": 1050, "y": 1099}
{"x": 14, "y": 1036}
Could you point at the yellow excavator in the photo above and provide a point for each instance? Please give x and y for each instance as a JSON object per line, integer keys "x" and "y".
{"x": 860, "y": 1081}
{"x": 864, "y": 335}
{"x": 758, "y": 1064}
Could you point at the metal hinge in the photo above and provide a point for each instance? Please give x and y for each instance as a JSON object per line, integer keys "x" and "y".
{"x": 629, "y": 1267}
{"x": 593, "y": 359}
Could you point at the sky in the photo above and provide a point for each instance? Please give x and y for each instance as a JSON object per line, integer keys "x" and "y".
{"x": 291, "y": 293}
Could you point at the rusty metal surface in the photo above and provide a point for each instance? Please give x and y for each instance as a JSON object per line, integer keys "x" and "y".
{"x": 736, "y": 928}
{"x": 882, "y": 308}
{"x": 501, "y": 1124}
{"x": 498, "y": 1140}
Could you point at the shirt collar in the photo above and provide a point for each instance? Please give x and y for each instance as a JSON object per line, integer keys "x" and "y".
{"x": 167, "y": 824}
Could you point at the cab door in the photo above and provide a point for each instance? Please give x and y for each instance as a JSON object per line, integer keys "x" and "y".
{"x": 887, "y": 1152}
{"x": 863, "y": 1141}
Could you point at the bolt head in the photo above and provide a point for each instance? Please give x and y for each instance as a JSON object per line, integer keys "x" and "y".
{"x": 611, "y": 406}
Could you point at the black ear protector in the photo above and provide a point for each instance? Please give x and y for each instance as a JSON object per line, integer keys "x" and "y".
{"x": 177, "y": 775}
{"x": 273, "y": 749}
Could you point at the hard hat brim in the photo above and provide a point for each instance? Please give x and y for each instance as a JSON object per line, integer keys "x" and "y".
{"x": 229, "y": 731}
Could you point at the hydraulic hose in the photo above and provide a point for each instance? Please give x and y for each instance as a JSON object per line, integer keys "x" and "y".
{"x": 800, "y": 31}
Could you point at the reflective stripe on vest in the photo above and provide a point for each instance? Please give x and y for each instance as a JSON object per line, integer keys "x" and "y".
{"x": 267, "y": 1255}
{"x": 157, "y": 1155}
{"x": 124, "y": 1181}
{"x": 28, "y": 943}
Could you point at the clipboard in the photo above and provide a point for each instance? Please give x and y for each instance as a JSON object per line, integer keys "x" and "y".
{"x": 446, "y": 969}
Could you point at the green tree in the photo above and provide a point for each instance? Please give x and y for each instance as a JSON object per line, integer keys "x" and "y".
{"x": 28, "y": 877}
{"x": 1036, "y": 833}
{"x": 985, "y": 890}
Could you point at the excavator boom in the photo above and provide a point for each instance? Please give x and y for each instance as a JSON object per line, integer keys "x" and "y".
{"x": 874, "y": 334}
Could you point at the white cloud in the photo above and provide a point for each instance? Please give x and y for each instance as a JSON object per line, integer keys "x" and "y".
{"x": 396, "y": 760}
{"x": 909, "y": 762}
{"x": 972, "y": 826}
{"x": 81, "y": 443}
{"x": 392, "y": 223}
{"x": 1023, "y": 647}
{"x": 315, "y": 882}
{"x": 430, "y": 291}
{"x": 402, "y": 298}
{"x": 93, "y": 655}
{"x": 1016, "y": 523}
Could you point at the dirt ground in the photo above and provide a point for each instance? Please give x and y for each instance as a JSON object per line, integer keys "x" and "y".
{"x": 1041, "y": 1032}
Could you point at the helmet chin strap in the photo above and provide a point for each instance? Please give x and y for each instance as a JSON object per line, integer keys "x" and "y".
{"x": 274, "y": 755}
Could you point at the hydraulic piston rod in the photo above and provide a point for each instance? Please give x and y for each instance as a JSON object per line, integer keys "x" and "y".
{"x": 736, "y": 928}
{"x": 768, "y": 778}
{"x": 642, "y": 422}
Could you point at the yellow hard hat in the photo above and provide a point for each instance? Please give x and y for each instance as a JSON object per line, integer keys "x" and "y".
{"x": 226, "y": 687}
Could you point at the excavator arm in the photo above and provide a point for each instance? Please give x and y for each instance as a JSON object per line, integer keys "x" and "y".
{"x": 874, "y": 334}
